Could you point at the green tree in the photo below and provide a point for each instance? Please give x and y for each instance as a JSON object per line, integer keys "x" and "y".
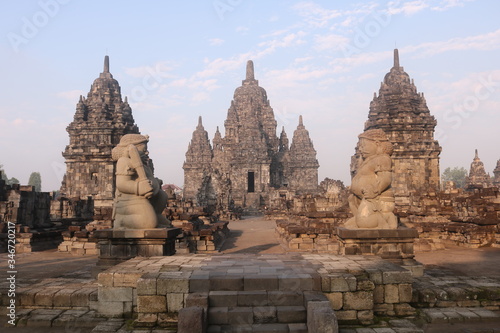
{"x": 4, "y": 176}
{"x": 456, "y": 175}
{"x": 13, "y": 181}
{"x": 36, "y": 181}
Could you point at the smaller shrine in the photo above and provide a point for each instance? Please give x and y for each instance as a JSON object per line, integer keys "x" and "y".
{"x": 478, "y": 178}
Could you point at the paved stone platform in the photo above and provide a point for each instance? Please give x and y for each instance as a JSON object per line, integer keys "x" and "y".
{"x": 70, "y": 300}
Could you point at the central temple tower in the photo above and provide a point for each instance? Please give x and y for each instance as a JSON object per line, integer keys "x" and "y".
{"x": 250, "y": 160}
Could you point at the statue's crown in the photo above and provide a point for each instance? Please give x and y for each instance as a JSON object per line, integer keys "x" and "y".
{"x": 132, "y": 139}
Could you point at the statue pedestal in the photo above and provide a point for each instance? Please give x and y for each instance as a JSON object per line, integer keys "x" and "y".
{"x": 395, "y": 245}
{"x": 117, "y": 246}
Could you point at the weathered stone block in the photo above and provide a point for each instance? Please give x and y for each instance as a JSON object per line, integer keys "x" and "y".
{"x": 391, "y": 293}
{"x": 365, "y": 285}
{"x": 175, "y": 302}
{"x": 192, "y": 320}
{"x": 218, "y": 316}
{"x": 128, "y": 279}
{"x": 146, "y": 286}
{"x": 365, "y": 317}
{"x": 405, "y": 293}
{"x": 343, "y": 283}
{"x": 291, "y": 314}
{"x": 404, "y": 310}
{"x": 111, "y": 309}
{"x": 151, "y": 304}
{"x": 228, "y": 283}
{"x": 222, "y": 298}
{"x": 115, "y": 294}
{"x": 63, "y": 298}
{"x": 240, "y": 315}
{"x": 197, "y": 299}
{"x": 260, "y": 282}
{"x": 251, "y": 298}
{"x": 146, "y": 319}
{"x": 360, "y": 300}
{"x": 391, "y": 277}
{"x": 336, "y": 300}
{"x": 264, "y": 314}
{"x": 378, "y": 294}
{"x": 321, "y": 318}
{"x": 277, "y": 298}
{"x": 172, "y": 285}
{"x": 199, "y": 284}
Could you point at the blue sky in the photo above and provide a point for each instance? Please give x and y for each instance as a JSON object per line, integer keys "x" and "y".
{"x": 176, "y": 60}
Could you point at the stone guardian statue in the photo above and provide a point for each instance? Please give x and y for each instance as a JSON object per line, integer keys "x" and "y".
{"x": 139, "y": 199}
{"x": 372, "y": 199}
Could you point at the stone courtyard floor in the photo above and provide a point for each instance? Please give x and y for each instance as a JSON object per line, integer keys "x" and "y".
{"x": 449, "y": 273}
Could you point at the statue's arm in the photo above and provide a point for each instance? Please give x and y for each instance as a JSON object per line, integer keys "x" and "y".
{"x": 125, "y": 181}
{"x": 383, "y": 179}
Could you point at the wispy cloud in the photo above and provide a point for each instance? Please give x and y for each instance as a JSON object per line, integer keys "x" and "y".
{"x": 71, "y": 95}
{"x": 215, "y": 41}
{"x": 448, "y": 4}
{"x": 332, "y": 42}
{"x": 161, "y": 69}
{"x": 242, "y": 29}
{"x": 483, "y": 42}
{"x": 315, "y": 15}
{"x": 407, "y": 8}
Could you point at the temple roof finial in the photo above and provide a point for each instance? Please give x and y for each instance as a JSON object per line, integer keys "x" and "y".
{"x": 199, "y": 121}
{"x": 301, "y": 123}
{"x": 106, "y": 64}
{"x": 477, "y": 156}
{"x": 250, "y": 71}
{"x": 396, "y": 58}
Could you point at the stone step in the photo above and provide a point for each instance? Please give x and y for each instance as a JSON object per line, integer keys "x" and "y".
{"x": 255, "y": 298}
{"x": 250, "y": 315}
{"x": 258, "y": 328}
{"x": 287, "y": 281}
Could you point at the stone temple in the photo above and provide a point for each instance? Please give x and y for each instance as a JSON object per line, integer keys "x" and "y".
{"x": 243, "y": 167}
{"x": 99, "y": 122}
{"x": 402, "y": 113}
{"x": 478, "y": 178}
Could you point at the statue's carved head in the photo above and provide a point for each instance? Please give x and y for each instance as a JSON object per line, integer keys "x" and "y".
{"x": 121, "y": 150}
{"x": 378, "y": 136}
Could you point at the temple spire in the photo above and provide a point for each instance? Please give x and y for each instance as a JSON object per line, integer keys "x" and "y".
{"x": 477, "y": 155}
{"x": 200, "y": 124}
{"x": 106, "y": 64}
{"x": 301, "y": 123}
{"x": 396, "y": 58}
{"x": 250, "y": 71}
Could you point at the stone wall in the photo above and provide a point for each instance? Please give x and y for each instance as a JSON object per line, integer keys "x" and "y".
{"x": 26, "y": 207}
{"x": 456, "y": 217}
{"x": 309, "y": 234}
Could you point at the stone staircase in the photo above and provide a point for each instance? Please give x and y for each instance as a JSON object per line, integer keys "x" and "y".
{"x": 257, "y": 311}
